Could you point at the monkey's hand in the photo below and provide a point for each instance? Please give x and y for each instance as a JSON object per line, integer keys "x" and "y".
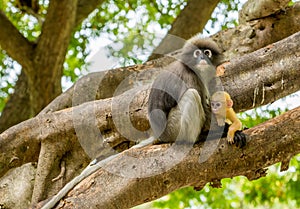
{"x": 236, "y": 137}
{"x": 239, "y": 139}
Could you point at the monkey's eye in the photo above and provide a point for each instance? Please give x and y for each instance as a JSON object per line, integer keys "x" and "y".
{"x": 208, "y": 53}
{"x": 197, "y": 53}
{"x": 218, "y": 104}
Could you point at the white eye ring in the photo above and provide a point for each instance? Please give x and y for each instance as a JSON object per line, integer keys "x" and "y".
{"x": 197, "y": 53}
{"x": 208, "y": 53}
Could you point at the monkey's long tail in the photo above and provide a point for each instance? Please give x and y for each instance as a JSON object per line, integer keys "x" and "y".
{"x": 91, "y": 168}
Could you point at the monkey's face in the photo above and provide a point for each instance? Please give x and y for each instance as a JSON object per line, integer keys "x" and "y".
{"x": 202, "y": 64}
{"x": 217, "y": 107}
{"x": 196, "y": 57}
{"x": 202, "y": 58}
{"x": 218, "y": 103}
{"x": 199, "y": 52}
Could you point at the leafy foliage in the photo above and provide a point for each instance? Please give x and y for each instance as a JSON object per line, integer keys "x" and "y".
{"x": 224, "y": 15}
{"x": 259, "y": 115}
{"x": 7, "y": 77}
{"x": 132, "y": 26}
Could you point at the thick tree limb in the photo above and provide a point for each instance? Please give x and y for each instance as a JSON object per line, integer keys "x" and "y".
{"x": 46, "y": 75}
{"x": 48, "y": 64}
{"x": 100, "y": 85}
{"x": 258, "y": 33}
{"x": 263, "y": 62}
{"x": 257, "y": 9}
{"x": 14, "y": 43}
{"x": 120, "y": 184}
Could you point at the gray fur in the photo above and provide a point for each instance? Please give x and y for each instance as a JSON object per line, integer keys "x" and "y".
{"x": 181, "y": 75}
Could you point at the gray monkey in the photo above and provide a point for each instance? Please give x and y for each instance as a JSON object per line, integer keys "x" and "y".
{"x": 179, "y": 106}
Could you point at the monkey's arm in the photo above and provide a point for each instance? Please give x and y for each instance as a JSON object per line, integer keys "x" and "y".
{"x": 91, "y": 168}
{"x": 236, "y": 124}
{"x": 235, "y": 135}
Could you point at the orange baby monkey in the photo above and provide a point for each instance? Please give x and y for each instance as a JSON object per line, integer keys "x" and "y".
{"x": 221, "y": 104}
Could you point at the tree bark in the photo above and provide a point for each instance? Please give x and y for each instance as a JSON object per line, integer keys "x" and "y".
{"x": 258, "y": 33}
{"x": 257, "y": 9}
{"x": 126, "y": 181}
{"x": 44, "y": 78}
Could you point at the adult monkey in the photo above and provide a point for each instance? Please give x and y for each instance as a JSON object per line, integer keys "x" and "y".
{"x": 179, "y": 103}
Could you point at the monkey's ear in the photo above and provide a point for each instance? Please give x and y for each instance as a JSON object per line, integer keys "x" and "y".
{"x": 229, "y": 103}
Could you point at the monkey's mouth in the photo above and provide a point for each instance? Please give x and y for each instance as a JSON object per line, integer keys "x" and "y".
{"x": 202, "y": 62}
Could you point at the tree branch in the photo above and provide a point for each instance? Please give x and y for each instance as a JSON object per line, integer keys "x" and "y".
{"x": 56, "y": 33}
{"x": 257, "y": 9}
{"x": 48, "y": 64}
{"x": 14, "y": 43}
{"x": 101, "y": 85}
{"x": 261, "y": 75}
{"x": 126, "y": 181}
{"x": 258, "y": 33}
